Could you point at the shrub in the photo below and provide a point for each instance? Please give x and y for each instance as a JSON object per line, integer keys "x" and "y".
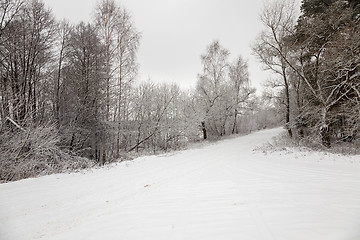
{"x": 35, "y": 152}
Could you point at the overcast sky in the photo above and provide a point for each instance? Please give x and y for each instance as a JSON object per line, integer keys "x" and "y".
{"x": 176, "y": 32}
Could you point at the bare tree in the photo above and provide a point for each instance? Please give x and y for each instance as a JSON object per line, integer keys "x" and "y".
{"x": 27, "y": 52}
{"x": 210, "y": 87}
{"x": 121, "y": 41}
{"x": 64, "y": 31}
{"x": 8, "y": 10}
{"x": 240, "y": 87}
{"x": 128, "y": 40}
{"x": 82, "y": 120}
{"x": 271, "y": 46}
{"x": 107, "y": 20}
{"x": 154, "y": 109}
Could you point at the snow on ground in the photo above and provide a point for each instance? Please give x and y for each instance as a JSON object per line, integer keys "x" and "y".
{"x": 220, "y": 191}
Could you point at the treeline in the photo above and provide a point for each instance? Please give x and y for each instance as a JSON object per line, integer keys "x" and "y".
{"x": 316, "y": 57}
{"x": 61, "y": 84}
{"x": 69, "y": 99}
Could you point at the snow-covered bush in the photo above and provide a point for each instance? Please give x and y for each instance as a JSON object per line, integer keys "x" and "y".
{"x": 34, "y": 152}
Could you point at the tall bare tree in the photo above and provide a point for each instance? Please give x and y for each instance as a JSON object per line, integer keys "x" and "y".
{"x": 64, "y": 31}
{"x": 8, "y": 11}
{"x": 27, "y": 53}
{"x": 82, "y": 120}
{"x": 121, "y": 41}
{"x": 128, "y": 39}
{"x": 271, "y": 47}
{"x": 107, "y": 20}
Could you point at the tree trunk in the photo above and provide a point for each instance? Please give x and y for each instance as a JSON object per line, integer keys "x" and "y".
{"x": 203, "y": 128}
{"x": 324, "y": 129}
{"x": 103, "y": 159}
{"x": 57, "y": 85}
{"x": 72, "y": 141}
{"x": 235, "y": 126}
{"x": 34, "y": 103}
{"x": 300, "y": 126}
{"x": 4, "y": 101}
{"x": 119, "y": 114}
{"x": 287, "y": 96}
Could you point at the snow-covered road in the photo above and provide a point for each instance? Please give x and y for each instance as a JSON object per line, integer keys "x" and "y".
{"x": 220, "y": 191}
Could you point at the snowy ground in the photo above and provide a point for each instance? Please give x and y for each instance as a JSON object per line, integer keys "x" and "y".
{"x": 221, "y": 191}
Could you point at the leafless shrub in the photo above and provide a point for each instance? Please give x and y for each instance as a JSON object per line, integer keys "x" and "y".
{"x": 283, "y": 142}
{"x": 35, "y": 152}
{"x": 279, "y": 143}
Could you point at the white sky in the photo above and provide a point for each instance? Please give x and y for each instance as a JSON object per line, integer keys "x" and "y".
{"x": 176, "y": 32}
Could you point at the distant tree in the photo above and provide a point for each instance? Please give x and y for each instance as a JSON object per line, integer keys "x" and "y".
{"x": 210, "y": 87}
{"x": 157, "y": 117}
{"x": 264, "y": 113}
{"x": 223, "y": 92}
{"x": 142, "y": 108}
{"x": 241, "y": 92}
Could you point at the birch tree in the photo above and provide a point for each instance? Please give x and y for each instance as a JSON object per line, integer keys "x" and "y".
{"x": 240, "y": 89}
{"x": 121, "y": 41}
{"x": 107, "y": 19}
{"x": 128, "y": 39}
{"x": 210, "y": 86}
